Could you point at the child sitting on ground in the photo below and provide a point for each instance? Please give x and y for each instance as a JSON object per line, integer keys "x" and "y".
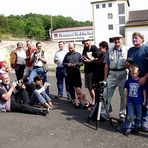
{"x": 81, "y": 100}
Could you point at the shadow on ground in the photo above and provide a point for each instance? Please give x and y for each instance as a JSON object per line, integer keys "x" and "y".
{"x": 81, "y": 115}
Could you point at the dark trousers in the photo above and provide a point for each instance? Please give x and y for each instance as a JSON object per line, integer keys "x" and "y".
{"x": 20, "y": 103}
{"x": 22, "y": 97}
{"x": 24, "y": 108}
{"x": 19, "y": 71}
{"x": 74, "y": 79}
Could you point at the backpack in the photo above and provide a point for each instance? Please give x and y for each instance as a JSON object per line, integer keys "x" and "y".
{"x": 13, "y": 59}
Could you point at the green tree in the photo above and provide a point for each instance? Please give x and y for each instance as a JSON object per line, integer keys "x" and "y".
{"x": 34, "y": 28}
{"x": 17, "y": 25}
{"x": 4, "y": 26}
{"x": 36, "y": 25}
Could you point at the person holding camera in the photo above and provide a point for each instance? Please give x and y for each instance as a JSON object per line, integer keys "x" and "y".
{"x": 29, "y": 51}
{"x": 99, "y": 63}
{"x": 38, "y": 60}
{"x": 8, "y": 102}
{"x": 115, "y": 75}
{"x": 38, "y": 96}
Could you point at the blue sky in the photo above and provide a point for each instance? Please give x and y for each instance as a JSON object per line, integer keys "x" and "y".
{"x": 77, "y": 9}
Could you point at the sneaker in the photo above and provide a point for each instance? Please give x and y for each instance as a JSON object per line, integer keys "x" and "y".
{"x": 135, "y": 131}
{"x": 121, "y": 118}
{"x": 122, "y": 115}
{"x": 127, "y": 132}
{"x": 121, "y": 129}
{"x": 44, "y": 112}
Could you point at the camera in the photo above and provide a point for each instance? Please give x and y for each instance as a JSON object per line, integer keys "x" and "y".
{"x": 19, "y": 81}
{"x": 130, "y": 61}
{"x": 100, "y": 85}
{"x": 19, "y": 84}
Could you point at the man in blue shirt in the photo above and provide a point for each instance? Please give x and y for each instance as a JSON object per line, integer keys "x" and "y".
{"x": 139, "y": 55}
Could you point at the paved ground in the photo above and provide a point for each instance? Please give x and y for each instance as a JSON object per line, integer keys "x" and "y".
{"x": 64, "y": 127}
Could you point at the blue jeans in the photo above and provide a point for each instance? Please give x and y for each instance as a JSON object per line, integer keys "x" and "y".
{"x": 38, "y": 72}
{"x": 60, "y": 76}
{"x": 132, "y": 110}
{"x": 145, "y": 116}
{"x": 35, "y": 72}
{"x": 39, "y": 98}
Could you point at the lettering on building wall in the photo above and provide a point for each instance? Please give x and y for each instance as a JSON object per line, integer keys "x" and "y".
{"x": 73, "y": 34}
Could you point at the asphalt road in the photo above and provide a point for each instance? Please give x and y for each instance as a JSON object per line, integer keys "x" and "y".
{"x": 64, "y": 127}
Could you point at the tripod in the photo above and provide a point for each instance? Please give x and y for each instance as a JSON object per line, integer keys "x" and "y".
{"x": 99, "y": 88}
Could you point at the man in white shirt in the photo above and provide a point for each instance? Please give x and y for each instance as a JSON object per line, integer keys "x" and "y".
{"x": 60, "y": 70}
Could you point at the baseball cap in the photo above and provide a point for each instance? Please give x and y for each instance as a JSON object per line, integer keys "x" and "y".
{"x": 86, "y": 38}
{"x": 117, "y": 35}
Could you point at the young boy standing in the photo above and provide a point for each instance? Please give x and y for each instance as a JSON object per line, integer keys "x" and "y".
{"x": 135, "y": 97}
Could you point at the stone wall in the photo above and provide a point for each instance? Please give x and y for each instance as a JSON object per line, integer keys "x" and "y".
{"x": 50, "y": 47}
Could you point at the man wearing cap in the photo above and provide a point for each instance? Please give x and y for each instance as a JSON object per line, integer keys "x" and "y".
{"x": 115, "y": 75}
{"x": 90, "y": 52}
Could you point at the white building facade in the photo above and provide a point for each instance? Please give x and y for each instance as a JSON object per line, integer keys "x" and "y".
{"x": 109, "y": 17}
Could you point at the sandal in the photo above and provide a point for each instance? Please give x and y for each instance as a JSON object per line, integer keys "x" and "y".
{"x": 86, "y": 105}
{"x": 78, "y": 106}
{"x": 91, "y": 105}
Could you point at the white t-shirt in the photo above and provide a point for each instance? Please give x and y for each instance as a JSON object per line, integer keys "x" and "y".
{"x": 37, "y": 61}
{"x": 21, "y": 56}
{"x": 59, "y": 56}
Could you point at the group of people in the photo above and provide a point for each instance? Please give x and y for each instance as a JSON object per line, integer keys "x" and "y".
{"x": 30, "y": 93}
{"x": 118, "y": 66}
{"x": 127, "y": 68}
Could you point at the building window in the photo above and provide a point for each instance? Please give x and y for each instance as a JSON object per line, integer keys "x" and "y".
{"x": 109, "y": 4}
{"x": 111, "y": 40}
{"x": 110, "y": 15}
{"x": 121, "y": 8}
{"x": 122, "y": 30}
{"x": 121, "y": 19}
{"x": 103, "y": 6}
{"x": 97, "y": 6}
{"x": 110, "y": 27}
